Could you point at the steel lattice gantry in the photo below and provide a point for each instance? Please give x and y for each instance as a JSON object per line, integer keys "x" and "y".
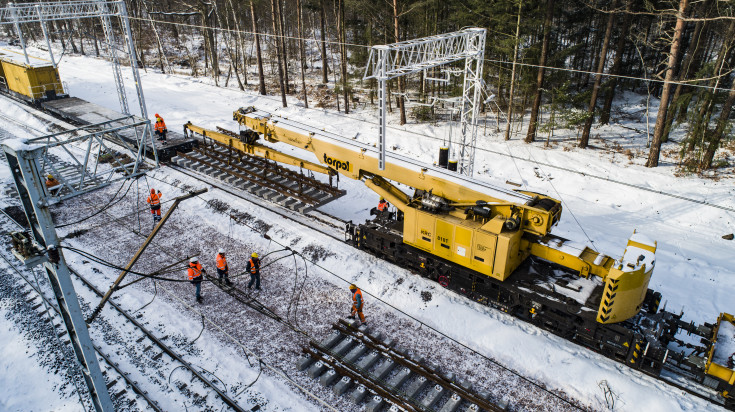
{"x": 23, "y": 13}
{"x": 412, "y": 56}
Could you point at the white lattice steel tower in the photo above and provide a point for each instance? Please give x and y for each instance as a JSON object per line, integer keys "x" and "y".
{"x": 412, "y": 56}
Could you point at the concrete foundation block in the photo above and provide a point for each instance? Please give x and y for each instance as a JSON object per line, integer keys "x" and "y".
{"x": 342, "y": 386}
{"x": 452, "y": 404}
{"x": 317, "y": 369}
{"x": 375, "y": 405}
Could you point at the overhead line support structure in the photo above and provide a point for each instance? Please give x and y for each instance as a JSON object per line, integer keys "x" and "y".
{"x": 20, "y": 13}
{"x": 24, "y": 165}
{"x": 390, "y": 61}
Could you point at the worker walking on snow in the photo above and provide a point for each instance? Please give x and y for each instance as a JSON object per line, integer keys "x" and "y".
{"x": 160, "y": 128}
{"x": 253, "y": 268}
{"x": 155, "y": 201}
{"x": 357, "y": 303}
{"x": 222, "y": 269}
{"x": 196, "y": 275}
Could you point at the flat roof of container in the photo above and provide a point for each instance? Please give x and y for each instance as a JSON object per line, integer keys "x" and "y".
{"x": 17, "y": 58}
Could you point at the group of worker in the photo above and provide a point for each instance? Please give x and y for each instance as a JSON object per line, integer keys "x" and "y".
{"x": 196, "y": 275}
{"x": 196, "y": 272}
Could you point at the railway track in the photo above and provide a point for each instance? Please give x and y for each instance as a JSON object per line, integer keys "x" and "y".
{"x": 225, "y": 185}
{"x": 355, "y": 360}
{"x": 160, "y": 359}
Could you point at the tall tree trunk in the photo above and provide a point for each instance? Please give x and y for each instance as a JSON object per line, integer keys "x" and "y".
{"x": 284, "y": 46}
{"x": 617, "y": 64}
{"x": 691, "y": 62}
{"x": 513, "y": 73}
{"x": 718, "y": 134}
{"x": 531, "y": 134}
{"x": 238, "y": 43}
{"x": 278, "y": 53}
{"x": 259, "y": 57}
{"x": 302, "y": 52}
{"x": 658, "y": 131}
{"x": 323, "y": 35}
{"x": 700, "y": 128}
{"x": 401, "y": 101}
{"x": 343, "y": 52}
{"x": 584, "y": 141}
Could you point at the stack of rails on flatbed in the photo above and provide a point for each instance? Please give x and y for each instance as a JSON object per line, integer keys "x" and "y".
{"x": 82, "y": 112}
{"x": 259, "y": 176}
{"x": 357, "y": 363}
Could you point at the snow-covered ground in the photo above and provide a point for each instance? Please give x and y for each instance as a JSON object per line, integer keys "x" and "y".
{"x": 694, "y": 264}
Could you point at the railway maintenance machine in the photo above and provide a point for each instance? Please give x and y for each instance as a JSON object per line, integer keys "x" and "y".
{"x": 494, "y": 245}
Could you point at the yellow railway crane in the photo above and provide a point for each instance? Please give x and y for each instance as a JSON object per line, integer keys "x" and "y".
{"x": 487, "y": 229}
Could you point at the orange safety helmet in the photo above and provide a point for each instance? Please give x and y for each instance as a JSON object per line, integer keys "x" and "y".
{"x": 153, "y": 191}
{"x": 157, "y": 115}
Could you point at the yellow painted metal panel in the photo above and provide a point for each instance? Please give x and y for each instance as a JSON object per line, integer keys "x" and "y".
{"x": 425, "y": 227}
{"x": 483, "y": 252}
{"x": 409, "y": 226}
{"x": 31, "y": 81}
{"x": 714, "y": 369}
{"x": 444, "y": 239}
{"x": 17, "y": 78}
{"x": 462, "y": 246}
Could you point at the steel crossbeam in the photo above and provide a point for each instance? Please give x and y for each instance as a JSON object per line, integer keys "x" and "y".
{"x": 387, "y": 62}
{"x": 58, "y": 10}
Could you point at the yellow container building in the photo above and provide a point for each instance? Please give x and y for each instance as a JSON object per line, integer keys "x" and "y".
{"x": 37, "y": 80}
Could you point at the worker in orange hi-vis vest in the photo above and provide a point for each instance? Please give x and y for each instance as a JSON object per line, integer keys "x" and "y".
{"x": 253, "y": 267}
{"x": 383, "y": 205}
{"x": 160, "y": 128}
{"x": 51, "y": 183}
{"x": 196, "y": 276}
{"x": 155, "y": 201}
{"x": 223, "y": 271}
{"x": 357, "y": 304}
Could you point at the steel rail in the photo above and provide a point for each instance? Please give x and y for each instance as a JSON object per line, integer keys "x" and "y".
{"x": 133, "y": 384}
{"x": 229, "y": 401}
{"x": 374, "y": 343}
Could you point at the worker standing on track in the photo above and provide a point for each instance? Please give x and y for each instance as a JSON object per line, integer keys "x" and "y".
{"x": 155, "y": 201}
{"x": 160, "y": 128}
{"x": 357, "y": 303}
{"x": 196, "y": 275}
{"x": 253, "y": 268}
{"x": 222, "y": 269}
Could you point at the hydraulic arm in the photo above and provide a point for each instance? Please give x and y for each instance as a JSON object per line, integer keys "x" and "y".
{"x": 486, "y": 228}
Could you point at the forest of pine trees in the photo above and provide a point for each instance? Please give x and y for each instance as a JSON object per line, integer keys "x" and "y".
{"x": 572, "y": 58}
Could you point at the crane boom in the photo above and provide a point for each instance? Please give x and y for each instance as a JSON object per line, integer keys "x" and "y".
{"x": 482, "y": 227}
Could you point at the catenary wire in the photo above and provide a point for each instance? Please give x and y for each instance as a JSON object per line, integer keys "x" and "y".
{"x": 497, "y": 61}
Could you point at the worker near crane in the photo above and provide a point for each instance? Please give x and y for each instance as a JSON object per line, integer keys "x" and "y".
{"x": 155, "y": 201}
{"x": 357, "y": 303}
{"x": 51, "y": 182}
{"x": 196, "y": 275}
{"x": 223, "y": 271}
{"x": 160, "y": 128}
{"x": 382, "y": 205}
{"x": 253, "y": 267}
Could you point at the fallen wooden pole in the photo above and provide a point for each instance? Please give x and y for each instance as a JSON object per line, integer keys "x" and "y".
{"x": 140, "y": 251}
